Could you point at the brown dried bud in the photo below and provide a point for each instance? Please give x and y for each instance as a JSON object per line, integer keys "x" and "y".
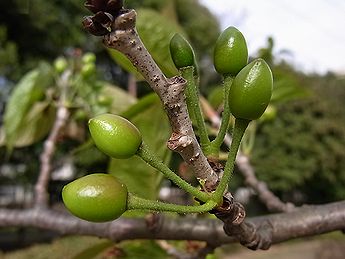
{"x": 109, "y": 6}
{"x": 105, "y": 11}
{"x": 93, "y": 27}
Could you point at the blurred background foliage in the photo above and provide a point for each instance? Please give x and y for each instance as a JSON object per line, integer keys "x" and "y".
{"x": 298, "y": 148}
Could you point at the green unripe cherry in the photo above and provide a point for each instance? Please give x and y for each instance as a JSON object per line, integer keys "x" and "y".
{"x": 80, "y": 115}
{"x": 104, "y": 100}
{"x": 230, "y": 52}
{"x": 88, "y": 57}
{"x": 60, "y": 64}
{"x": 96, "y": 197}
{"x": 88, "y": 69}
{"x": 251, "y": 90}
{"x": 181, "y": 52}
{"x": 114, "y": 135}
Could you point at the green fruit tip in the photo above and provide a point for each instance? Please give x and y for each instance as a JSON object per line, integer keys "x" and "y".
{"x": 230, "y": 52}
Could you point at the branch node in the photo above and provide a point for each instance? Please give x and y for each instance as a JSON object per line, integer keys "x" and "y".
{"x": 178, "y": 142}
{"x": 239, "y": 213}
{"x": 231, "y": 212}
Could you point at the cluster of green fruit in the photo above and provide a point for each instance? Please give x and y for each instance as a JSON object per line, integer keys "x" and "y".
{"x": 251, "y": 89}
{"x": 101, "y": 197}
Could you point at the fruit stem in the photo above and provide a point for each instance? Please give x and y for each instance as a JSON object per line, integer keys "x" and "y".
{"x": 238, "y": 132}
{"x": 137, "y": 203}
{"x": 193, "y": 104}
{"x": 217, "y": 142}
{"x": 148, "y": 156}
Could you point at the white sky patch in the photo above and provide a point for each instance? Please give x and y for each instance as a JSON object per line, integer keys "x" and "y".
{"x": 312, "y": 30}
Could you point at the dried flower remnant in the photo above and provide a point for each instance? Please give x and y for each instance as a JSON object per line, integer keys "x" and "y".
{"x": 105, "y": 12}
{"x": 110, "y": 6}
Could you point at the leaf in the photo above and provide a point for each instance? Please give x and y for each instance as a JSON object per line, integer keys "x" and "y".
{"x": 124, "y": 62}
{"x": 93, "y": 251}
{"x": 287, "y": 90}
{"x": 140, "y": 178}
{"x": 38, "y": 123}
{"x": 65, "y": 247}
{"x": 155, "y": 31}
{"x": 144, "y": 103}
{"x": 121, "y": 100}
{"x": 146, "y": 249}
{"x": 29, "y": 90}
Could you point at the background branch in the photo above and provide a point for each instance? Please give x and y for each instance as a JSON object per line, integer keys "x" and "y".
{"x": 62, "y": 114}
{"x": 255, "y": 233}
{"x": 272, "y": 202}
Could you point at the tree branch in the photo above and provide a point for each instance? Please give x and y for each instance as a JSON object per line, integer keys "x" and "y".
{"x": 255, "y": 233}
{"x": 121, "y": 229}
{"x": 125, "y": 39}
{"x": 62, "y": 114}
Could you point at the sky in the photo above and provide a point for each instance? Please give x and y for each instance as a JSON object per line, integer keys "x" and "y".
{"x": 312, "y": 31}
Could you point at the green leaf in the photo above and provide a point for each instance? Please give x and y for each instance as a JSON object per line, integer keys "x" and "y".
{"x": 124, "y": 62}
{"x": 29, "y": 90}
{"x": 155, "y": 31}
{"x": 66, "y": 247}
{"x": 286, "y": 90}
{"x": 144, "y": 103}
{"x": 93, "y": 251}
{"x": 121, "y": 100}
{"x": 38, "y": 123}
{"x": 140, "y": 178}
{"x": 147, "y": 249}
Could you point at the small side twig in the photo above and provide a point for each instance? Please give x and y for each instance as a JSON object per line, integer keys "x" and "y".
{"x": 172, "y": 251}
{"x": 62, "y": 114}
{"x": 132, "y": 85}
{"x": 272, "y": 202}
